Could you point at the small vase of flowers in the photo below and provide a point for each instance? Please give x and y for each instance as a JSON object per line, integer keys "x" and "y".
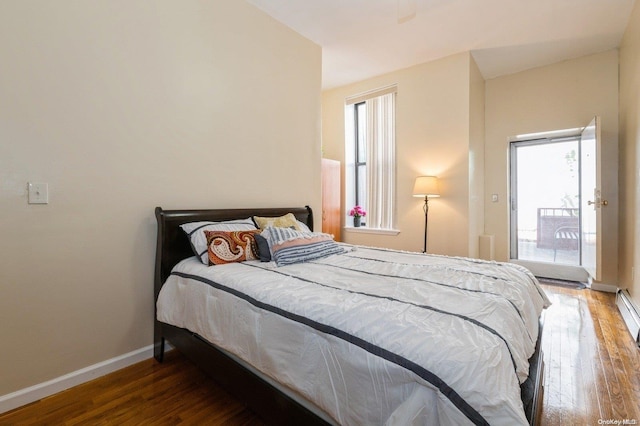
{"x": 358, "y": 213}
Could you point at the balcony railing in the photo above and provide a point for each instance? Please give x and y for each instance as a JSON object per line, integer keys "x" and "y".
{"x": 558, "y": 228}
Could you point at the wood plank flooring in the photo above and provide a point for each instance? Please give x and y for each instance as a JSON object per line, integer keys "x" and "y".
{"x": 592, "y": 376}
{"x": 592, "y": 364}
{"x": 148, "y": 393}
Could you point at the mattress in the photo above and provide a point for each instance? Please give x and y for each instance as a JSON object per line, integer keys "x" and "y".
{"x": 373, "y": 336}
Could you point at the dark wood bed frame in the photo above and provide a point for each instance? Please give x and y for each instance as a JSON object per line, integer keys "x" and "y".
{"x": 271, "y": 404}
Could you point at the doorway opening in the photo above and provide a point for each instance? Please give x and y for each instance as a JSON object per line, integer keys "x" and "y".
{"x": 556, "y": 204}
{"x": 545, "y": 200}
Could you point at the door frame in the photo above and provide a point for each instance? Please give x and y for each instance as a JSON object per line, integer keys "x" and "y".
{"x": 591, "y": 201}
{"x": 541, "y": 269}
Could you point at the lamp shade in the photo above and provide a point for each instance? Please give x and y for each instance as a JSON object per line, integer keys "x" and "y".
{"x": 426, "y": 186}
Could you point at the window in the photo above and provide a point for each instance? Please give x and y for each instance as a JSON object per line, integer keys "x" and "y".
{"x": 370, "y": 157}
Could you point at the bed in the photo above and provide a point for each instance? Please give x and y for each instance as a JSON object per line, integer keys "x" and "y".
{"x": 359, "y": 337}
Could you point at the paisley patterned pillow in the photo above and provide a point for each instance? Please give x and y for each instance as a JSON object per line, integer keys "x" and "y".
{"x": 194, "y": 231}
{"x": 231, "y": 246}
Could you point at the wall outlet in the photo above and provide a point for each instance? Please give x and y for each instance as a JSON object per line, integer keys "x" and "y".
{"x": 38, "y": 193}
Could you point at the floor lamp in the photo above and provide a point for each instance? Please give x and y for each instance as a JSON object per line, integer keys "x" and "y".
{"x": 426, "y": 186}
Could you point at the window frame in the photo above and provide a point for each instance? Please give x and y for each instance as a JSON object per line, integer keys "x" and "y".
{"x": 357, "y": 164}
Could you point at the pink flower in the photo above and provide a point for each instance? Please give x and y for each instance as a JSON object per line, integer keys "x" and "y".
{"x": 357, "y": 211}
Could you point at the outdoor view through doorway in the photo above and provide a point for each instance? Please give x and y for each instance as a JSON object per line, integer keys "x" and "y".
{"x": 545, "y": 217}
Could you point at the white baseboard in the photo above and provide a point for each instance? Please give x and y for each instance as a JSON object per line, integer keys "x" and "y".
{"x": 604, "y": 287}
{"x": 630, "y": 314}
{"x": 34, "y": 393}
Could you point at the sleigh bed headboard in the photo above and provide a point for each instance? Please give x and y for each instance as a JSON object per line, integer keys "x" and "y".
{"x": 173, "y": 244}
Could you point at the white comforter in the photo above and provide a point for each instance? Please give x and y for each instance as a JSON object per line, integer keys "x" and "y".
{"x": 373, "y": 336}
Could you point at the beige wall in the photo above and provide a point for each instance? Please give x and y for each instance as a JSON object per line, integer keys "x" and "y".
{"x": 476, "y": 158}
{"x": 630, "y": 157}
{"x": 560, "y": 96}
{"x": 122, "y": 106}
{"x": 433, "y": 138}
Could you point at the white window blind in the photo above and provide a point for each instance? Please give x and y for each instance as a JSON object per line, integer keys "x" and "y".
{"x": 379, "y": 142}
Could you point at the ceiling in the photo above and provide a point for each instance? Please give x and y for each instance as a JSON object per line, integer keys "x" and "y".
{"x": 365, "y": 38}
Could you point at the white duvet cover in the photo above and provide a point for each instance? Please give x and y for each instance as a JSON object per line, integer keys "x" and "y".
{"x": 373, "y": 336}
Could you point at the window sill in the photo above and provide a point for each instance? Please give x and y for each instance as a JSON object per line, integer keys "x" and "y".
{"x": 366, "y": 230}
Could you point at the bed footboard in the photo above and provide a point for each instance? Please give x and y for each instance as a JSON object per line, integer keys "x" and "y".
{"x": 264, "y": 399}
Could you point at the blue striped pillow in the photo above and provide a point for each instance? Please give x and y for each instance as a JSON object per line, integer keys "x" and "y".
{"x": 289, "y": 246}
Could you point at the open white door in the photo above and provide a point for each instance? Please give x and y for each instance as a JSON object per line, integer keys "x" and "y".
{"x": 591, "y": 201}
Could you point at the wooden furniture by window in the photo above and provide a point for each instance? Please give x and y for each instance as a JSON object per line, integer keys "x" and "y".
{"x": 331, "y": 197}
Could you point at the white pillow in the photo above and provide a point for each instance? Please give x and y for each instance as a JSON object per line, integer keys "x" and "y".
{"x": 195, "y": 232}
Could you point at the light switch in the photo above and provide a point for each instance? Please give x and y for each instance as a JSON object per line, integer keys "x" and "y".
{"x": 38, "y": 193}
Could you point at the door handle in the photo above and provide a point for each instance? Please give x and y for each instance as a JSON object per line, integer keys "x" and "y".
{"x": 598, "y": 203}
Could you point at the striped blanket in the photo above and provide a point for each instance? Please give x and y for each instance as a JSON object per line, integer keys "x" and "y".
{"x": 373, "y": 336}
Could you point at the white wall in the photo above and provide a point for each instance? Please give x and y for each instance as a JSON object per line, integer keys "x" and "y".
{"x": 560, "y": 96}
{"x": 630, "y": 157}
{"x": 121, "y": 106}
{"x": 433, "y": 129}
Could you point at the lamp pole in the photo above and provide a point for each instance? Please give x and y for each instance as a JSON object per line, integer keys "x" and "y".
{"x": 426, "y": 186}
{"x": 426, "y": 221}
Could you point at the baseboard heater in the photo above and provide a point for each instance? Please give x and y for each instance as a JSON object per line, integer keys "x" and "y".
{"x": 629, "y": 313}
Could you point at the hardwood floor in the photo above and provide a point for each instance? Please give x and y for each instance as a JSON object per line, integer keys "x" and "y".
{"x": 592, "y": 364}
{"x": 592, "y": 376}
{"x": 147, "y": 393}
